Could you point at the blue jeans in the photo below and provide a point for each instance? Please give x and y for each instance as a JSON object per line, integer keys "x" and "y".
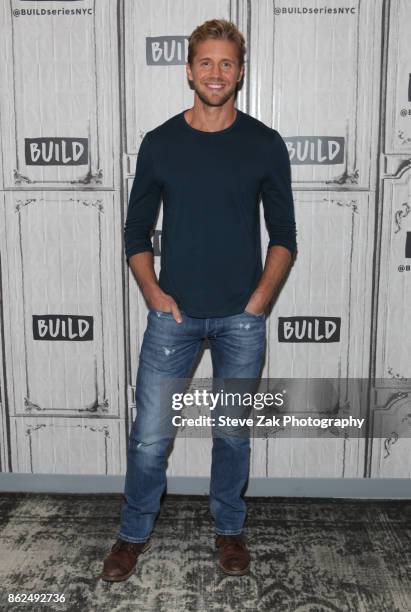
{"x": 169, "y": 350}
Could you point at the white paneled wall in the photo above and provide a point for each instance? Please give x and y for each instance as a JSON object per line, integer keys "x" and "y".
{"x": 78, "y": 93}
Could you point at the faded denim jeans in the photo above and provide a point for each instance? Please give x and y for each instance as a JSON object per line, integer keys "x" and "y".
{"x": 169, "y": 350}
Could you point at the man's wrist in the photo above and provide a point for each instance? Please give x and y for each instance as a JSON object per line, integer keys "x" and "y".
{"x": 259, "y": 300}
{"x": 151, "y": 289}
{"x": 262, "y": 296}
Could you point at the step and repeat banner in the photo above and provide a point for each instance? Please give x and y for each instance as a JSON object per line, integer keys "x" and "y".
{"x": 82, "y": 82}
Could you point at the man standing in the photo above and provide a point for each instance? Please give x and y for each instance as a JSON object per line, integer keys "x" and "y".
{"x": 210, "y": 164}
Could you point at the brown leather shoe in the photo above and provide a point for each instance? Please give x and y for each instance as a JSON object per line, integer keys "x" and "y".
{"x": 120, "y": 562}
{"x": 234, "y": 557}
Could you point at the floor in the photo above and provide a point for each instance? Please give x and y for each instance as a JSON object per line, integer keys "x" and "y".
{"x": 309, "y": 555}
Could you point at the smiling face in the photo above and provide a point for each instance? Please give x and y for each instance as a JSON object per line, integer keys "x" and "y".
{"x": 215, "y": 71}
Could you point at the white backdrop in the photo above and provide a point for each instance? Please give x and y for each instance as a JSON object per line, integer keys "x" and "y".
{"x": 80, "y": 88}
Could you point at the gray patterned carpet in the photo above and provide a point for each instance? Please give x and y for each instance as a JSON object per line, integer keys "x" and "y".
{"x": 308, "y": 556}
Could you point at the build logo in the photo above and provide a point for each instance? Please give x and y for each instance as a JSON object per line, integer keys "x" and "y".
{"x": 309, "y": 329}
{"x": 315, "y": 150}
{"x": 166, "y": 50}
{"x": 62, "y": 327}
{"x": 56, "y": 151}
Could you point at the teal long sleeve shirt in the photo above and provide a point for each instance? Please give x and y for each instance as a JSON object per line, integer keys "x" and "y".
{"x": 211, "y": 184}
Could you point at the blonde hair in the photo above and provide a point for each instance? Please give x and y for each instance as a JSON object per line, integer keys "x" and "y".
{"x": 217, "y": 29}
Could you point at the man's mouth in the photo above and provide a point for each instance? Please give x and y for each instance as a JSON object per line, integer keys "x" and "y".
{"x": 215, "y": 86}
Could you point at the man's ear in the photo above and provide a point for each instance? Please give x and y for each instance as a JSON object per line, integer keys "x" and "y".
{"x": 241, "y": 73}
{"x": 188, "y": 71}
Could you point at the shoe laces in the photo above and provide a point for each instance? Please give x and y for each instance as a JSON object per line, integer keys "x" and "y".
{"x": 230, "y": 543}
{"x": 129, "y": 546}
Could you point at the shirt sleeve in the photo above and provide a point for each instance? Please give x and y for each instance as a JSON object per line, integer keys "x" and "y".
{"x": 277, "y": 197}
{"x": 144, "y": 202}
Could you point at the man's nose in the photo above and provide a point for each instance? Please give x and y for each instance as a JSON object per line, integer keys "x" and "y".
{"x": 216, "y": 71}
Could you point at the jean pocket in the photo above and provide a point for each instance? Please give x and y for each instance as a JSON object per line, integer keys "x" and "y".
{"x": 160, "y": 313}
{"x": 255, "y": 316}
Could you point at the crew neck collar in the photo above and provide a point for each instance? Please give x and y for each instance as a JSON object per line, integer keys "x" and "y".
{"x": 196, "y": 131}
